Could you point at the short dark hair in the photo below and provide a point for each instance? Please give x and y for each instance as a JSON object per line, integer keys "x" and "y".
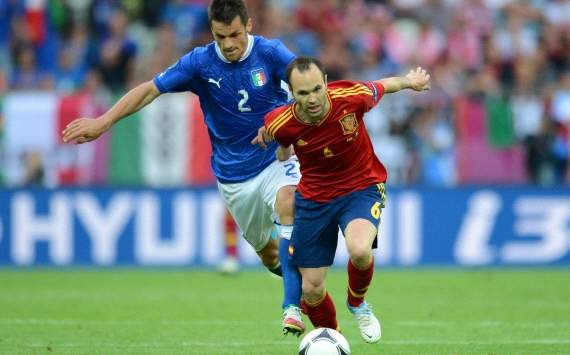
{"x": 303, "y": 64}
{"x": 225, "y": 11}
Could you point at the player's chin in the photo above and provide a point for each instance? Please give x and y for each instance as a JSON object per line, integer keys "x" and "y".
{"x": 232, "y": 56}
{"x": 315, "y": 112}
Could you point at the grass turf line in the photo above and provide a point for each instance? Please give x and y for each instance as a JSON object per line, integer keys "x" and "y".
{"x": 120, "y": 311}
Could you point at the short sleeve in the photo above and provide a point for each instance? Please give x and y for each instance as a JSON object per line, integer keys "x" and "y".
{"x": 178, "y": 77}
{"x": 282, "y": 56}
{"x": 276, "y": 125}
{"x": 377, "y": 91}
{"x": 268, "y": 121}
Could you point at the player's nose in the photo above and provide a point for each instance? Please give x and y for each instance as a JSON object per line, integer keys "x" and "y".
{"x": 228, "y": 44}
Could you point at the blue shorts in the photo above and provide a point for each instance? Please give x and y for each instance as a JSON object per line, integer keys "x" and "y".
{"x": 315, "y": 233}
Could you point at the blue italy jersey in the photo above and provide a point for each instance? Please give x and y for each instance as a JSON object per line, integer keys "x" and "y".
{"x": 234, "y": 98}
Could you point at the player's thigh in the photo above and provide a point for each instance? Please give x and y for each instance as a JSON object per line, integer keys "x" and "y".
{"x": 246, "y": 203}
{"x": 276, "y": 177}
{"x": 314, "y": 239}
{"x": 359, "y": 236}
{"x": 361, "y": 216}
{"x": 284, "y": 206}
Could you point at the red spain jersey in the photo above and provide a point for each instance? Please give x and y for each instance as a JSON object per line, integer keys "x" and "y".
{"x": 335, "y": 154}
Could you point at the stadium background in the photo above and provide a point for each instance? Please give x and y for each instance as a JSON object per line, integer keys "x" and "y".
{"x": 475, "y": 237}
{"x": 478, "y": 165}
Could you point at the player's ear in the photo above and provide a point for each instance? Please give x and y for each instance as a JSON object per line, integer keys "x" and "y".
{"x": 325, "y": 77}
{"x": 249, "y": 25}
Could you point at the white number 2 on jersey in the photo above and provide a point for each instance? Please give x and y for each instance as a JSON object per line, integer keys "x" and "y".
{"x": 241, "y": 105}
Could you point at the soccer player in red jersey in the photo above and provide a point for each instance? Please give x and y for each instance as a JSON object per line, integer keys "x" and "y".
{"x": 342, "y": 182}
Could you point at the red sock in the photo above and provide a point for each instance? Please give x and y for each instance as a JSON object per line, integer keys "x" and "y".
{"x": 358, "y": 282}
{"x": 303, "y": 306}
{"x": 323, "y": 313}
{"x": 231, "y": 236}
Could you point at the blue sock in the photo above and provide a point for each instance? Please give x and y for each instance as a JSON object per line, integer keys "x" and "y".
{"x": 291, "y": 275}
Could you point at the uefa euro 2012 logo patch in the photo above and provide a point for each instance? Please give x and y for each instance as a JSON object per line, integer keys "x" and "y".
{"x": 258, "y": 77}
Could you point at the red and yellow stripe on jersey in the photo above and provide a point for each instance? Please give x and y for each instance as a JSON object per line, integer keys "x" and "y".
{"x": 357, "y": 89}
{"x": 336, "y": 155}
{"x": 280, "y": 120}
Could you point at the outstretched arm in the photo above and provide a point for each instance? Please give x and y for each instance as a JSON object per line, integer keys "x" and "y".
{"x": 84, "y": 130}
{"x": 417, "y": 80}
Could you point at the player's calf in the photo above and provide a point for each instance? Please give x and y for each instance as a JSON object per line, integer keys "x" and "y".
{"x": 269, "y": 256}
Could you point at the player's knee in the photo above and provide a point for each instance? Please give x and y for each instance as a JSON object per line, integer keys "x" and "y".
{"x": 313, "y": 290}
{"x": 360, "y": 255}
{"x": 270, "y": 262}
{"x": 285, "y": 204}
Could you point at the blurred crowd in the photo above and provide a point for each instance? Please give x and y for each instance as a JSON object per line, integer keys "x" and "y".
{"x": 507, "y": 59}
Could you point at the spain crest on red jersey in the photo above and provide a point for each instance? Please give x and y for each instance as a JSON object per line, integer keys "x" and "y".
{"x": 349, "y": 124}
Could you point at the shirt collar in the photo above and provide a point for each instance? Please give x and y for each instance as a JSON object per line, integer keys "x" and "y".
{"x": 250, "y": 40}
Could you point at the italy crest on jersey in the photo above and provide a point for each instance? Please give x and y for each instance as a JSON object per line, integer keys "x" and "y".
{"x": 258, "y": 77}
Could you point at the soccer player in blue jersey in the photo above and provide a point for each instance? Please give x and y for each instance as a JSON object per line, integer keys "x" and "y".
{"x": 237, "y": 78}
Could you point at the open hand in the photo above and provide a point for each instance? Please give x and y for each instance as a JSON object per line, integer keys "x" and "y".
{"x": 83, "y": 130}
{"x": 419, "y": 79}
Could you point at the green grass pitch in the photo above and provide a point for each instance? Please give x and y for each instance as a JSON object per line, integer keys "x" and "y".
{"x": 165, "y": 311}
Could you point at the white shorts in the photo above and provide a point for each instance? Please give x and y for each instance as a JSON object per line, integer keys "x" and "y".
{"x": 252, "y": 202}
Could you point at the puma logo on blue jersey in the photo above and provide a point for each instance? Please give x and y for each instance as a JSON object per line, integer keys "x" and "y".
{"x": 210, "y": 80}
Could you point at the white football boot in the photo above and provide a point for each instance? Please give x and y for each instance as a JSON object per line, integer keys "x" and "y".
{"x": 368, "y": 324}
{"x": 293, "y": 321}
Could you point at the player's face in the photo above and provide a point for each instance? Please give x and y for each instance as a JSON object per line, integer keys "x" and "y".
{"x": 309, "y": 88}
{"x": 232, "y": 38}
